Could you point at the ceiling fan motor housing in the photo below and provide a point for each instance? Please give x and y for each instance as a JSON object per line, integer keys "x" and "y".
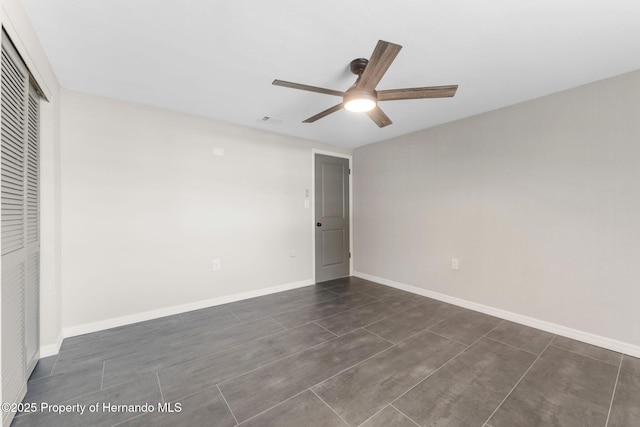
{"x": 357, "y": 66}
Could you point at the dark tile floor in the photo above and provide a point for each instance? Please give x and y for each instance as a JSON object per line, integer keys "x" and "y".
{"x": 345, "y": 352}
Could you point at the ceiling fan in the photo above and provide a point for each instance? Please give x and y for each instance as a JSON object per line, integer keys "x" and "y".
{"x": 363, "y": 96}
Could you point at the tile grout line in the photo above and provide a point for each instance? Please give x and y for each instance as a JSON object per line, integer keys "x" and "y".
{"x": 236, "y": 317}
{"x": 277, "y": 404}
{"x": 427, "y": 300}
{"x": 432, "y": 373}
{"x": 553, "y": 336}
{"x": 373, "y": 333}
{"x": 343, "y": 310}
{"x": 405, "y": 415}
{"x": 461, "y": 309}
{"x": 467, "y": 346}
{"x": 317, "y": 324}
{"x": 285, "y": 328}
{"x": 160, "y": 387}
{"x": 227, "y": 403}
{"x": 127, "y": 420}
{"x": 291, "y": 309}
{"x": 383, "y": 296}
{"x": 359, "y": 306}
{"x": 259, "y": 367}
{"x": 230, "y": 346}
{"x": 414, "y": 334}
{"x": 327, "y": 405}
{"x": 338, "y": 373}
{"x": 374, "y": 414}
{"x": 440, "y": 367}
{"x": 518, "y": 382}
{"x": 254, "y": 341}
{"x": 375, "y": 321}
{"x": 104, "y": 365}
{"x": 613, "y": 394}
{"x": 376, "y": 299}
{"x": 108, "y": 388}
{"x": 382, "y": 409}
{"x": 356, "y": 364}
{"x": 512, "y": 346}
{"x": 584, "y": 355}
{"x": 446, "y": 338}
{"x": 493, "y": 329}
{"x": 400, "y": 310}
{"x": 455, "y": 313}
{"x": 330, "y": 291}
{"x": 326, "y": 379}
{"x": 428, "y": 329}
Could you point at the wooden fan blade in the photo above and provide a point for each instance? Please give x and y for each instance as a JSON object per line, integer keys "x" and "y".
{"x": 417, "y": 93}
{"x": 324, "y": 113}
{"x": 378, "y": 116}
{"x": 380, "y": 61}
{"x": 307, "y": 88}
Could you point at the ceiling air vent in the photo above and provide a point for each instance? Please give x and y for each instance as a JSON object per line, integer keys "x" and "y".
{"x": 269, "y": 120}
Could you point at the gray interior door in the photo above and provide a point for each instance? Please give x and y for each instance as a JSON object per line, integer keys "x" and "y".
{"x": 332, "y": 217}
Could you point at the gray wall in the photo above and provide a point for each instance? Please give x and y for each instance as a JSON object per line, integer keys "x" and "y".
{"x": 146, "y": 207}
{"x": 539, "y": 201}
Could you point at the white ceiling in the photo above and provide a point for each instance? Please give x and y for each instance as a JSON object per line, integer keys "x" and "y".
{"x": 217, "y": 58}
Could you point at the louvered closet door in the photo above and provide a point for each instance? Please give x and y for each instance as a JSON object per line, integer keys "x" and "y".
{"x": 19, "y": 225}
{"x": 32, "y": 224}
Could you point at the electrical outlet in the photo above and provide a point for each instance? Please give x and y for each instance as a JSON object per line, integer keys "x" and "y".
{"x": 455, "y": 264}
{"x": 216, "y": 265}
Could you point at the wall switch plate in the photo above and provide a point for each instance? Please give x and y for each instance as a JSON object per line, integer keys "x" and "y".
{"x": 216, "y": 265}
{"x": 306, "y": 204}
{"x": 455, "y": 264}
{"x": 218, "y": 151}
{"x": 292, "y": 254}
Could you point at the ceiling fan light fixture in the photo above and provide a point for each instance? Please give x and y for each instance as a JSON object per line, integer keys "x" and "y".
{"x": 362, "y": 96}
{"x": 360, "y": 102}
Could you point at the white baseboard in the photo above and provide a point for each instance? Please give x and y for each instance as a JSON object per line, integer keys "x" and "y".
{"x": 168, "y": 311}
{"x": 52, "y": 349}
{"x": 597, "y": 340}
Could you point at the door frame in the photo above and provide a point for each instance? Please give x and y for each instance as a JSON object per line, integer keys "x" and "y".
{"x": 312, "y": 222}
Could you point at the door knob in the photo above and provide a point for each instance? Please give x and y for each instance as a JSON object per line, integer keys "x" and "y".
{"x": 319, "y": 224}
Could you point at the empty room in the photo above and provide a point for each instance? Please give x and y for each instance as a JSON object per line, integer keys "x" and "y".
{"x": 362, "y": 213}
